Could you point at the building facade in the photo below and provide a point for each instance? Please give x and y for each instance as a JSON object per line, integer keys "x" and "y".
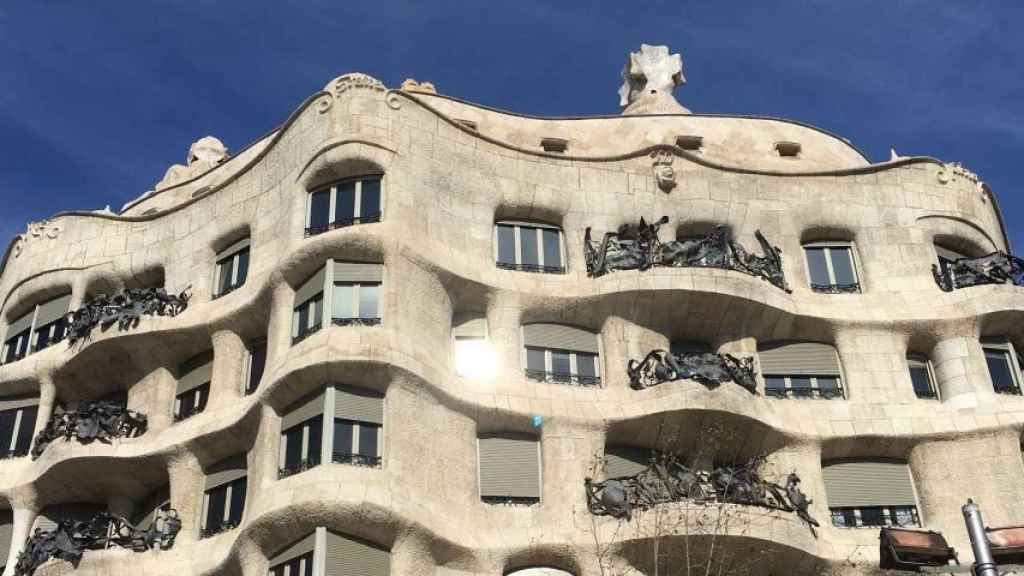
{"x": 412, "y": 328}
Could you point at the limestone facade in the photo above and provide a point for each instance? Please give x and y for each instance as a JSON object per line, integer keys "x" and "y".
{"x": 449, "y": 171}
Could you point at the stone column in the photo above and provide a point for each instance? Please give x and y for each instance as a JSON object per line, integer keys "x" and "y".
{"x": 960, "y": 371}
{"x": 503, "y": 328}
{"x": 279, "y": 328}
{"x": 47, "y": 401}
{"x": 23, "y": 519}
{"x": 985, "y": 467}
{"x": 229, "y": 354}
{"x": 186, "y": 486}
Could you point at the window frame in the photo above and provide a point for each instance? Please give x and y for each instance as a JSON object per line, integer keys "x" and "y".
{"x": 199, "y": 402}
{"x": 306, "y": 460}
{"x": 889, "y": 516}
{"x": 833, "y": 287}
{"x": 332, "y": 216}
{"x": 356, "y": 292}
{"x": 456, "y": 339}
{"x": 929, "y": 370}
{"x": 1005, "y": 347}
{"x": 815, "y": 391}
{"x": 518, "y": 265}
{"x": 248, "y": 386}
{"x": 28, "y": 337}
{"x": 526, "y": 501}
{"x": 549, "y": 374}
{"x": 234, "y": 257}
{"x": 18, "y": 427}
{"x": 204, "y": 529}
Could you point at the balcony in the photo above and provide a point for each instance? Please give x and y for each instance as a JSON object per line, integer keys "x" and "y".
{"x": 342, "y": 223}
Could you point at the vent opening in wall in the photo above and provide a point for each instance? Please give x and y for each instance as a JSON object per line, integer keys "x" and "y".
{"x": 200, "y": 191}
{"x": 788, "y": 149}
{"x": 556, "y": 145}
{"x": 690, "y": 142}
{"x": 467, "y": 123}
{"x": 151, "y": 211}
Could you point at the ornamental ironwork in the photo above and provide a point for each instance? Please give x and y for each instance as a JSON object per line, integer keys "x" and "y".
{"x": 562, "y": 377}
{"x": 666, "y": 479}
{"x": 342, "y": 223}
{"x": 995, "y": 268}
{"x": 356, "y": 459}
{"x": 706, "y": 368}
{"x": 125, "y": 309}
{"x": 637, "y": 247}
{"x": 70, "y": 539}
{"x": 99, "y": 420}
{"x": 852, "y": 288}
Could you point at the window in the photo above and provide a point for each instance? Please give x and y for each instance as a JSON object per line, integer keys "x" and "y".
{"x": 473, "y": 356}
{"x": 831, "y": 268}
{"x": 353, "y": 300}
{"x": 39, "y": 328}
{"x": 529, "y": 247}
{"x": 921, "y": 376}
{"x": 870, "y": 493}
{"x": 509, "y": 468}
{"x": 308, "y": 313}
{"x": 801, "y": 370}
{"x": 224, "y": 496}
{"x": 355, "y": 437}
{"x": 947, "y": 258}
{"x": 17, "y": 424}
{"x": 1003, "y": 367}
{"x": 193, "y": 386}
{"x": 561, "y": 354}
{"x": 353, "y": 201}
{"x": 232, "y": 268}
{"x": 296, "y": 559}
{"x": 256, "y": 363}
{"x": 340, "y": 554}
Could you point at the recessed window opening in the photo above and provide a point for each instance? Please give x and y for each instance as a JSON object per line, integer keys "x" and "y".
{"x": 529, "y": 247}
{"x": 561, "y": 354}
{"x": 555, "y": 145}
{"x": 474, "y": 357}
{"x": 224, "y": 496}
{"x": 788, "y": 149}
{"x": 336, "y": 555}
{"x": 308, "y": 312}
{"x": 509, "y": 469}
{"x": 870, "y": 493}
{"x": 357, "y": 292}
{"x": 467, "y": 123}
{"x": 255, "y": 364}
{"x": 345, "y": 203}
{"x": 1003, "y": 365}
{"x": 39, "y": 328}
{"x": 690, "y": 142}
{"x": 831, "y": 268}
{"x": 232, "y": 268}
{"x": 922, "y": 376}
{"x": 193, "y": 386}
{"x": 801, "y": 370}
{"x": 17, "y": 423}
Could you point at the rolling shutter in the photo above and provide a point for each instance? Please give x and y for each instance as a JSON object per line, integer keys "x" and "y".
{"x": 509, "y": 466}
{"x": 227, "y": 470}
{"x": 11, "y": 403}
{"x": 358, "y": 272}
{"x": 310, "y": 288}
{"x": 349, "y": 557}
{"x": 799, "y": 359}
{"x": 53, "y": 310}
{"x": 195, "y": 372}
{"x": 559, "y": 337}
{"x": 303, "y": 546}
{"x": 359, "y": 405}
{"x": 19, "y": 325}
{"x": 303, "y": 411}
{"x": 236, "y": 247}
{"x": 864, "y": 483}
{"x": 473, "y": 328}
{"x": 624, "y": 461}
{"x": 6, "y": 533}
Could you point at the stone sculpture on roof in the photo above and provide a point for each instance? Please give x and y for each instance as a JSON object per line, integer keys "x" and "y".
{"x": 650, "y": 76}
{"x": 203, "y": 154}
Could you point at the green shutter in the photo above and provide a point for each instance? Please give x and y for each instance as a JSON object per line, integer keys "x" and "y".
{"x": 509, "y": 466}
{"x": 302, "y": 411}
{"x": 227, "y": 470}
{"x": 863, "y": 483}
{"x": 560, "y": 337}
{"x": 359, "y": 405}
{"x": 348, "y": 556}
{"x": 53, "y": 310}
{"x": 799, "y": 359}
{"x": 358, "y": 272}
{"x": 625, "y": 461}
{"x": 294, "y": 550}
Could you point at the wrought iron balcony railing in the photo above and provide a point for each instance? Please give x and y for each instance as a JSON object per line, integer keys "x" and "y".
{"x": 302, "y": 466}
{"x": 342, "y": 223}
{"x": 536, "y": 268}
{"x": 789, "y": 392}
{"x": 1008, "y": 389}
{"x": 510, "y": 500}
{"x": 100, "y": 420}
{"x": 217, "y": 529}
{"x": 562, "y": 378}
{"x": 355, "y": 321}
{"x": 836, "y": 288}
{"x": 356, "y": 459}
{"x": 995, "y": 268}
{"x": 306, "y": 334}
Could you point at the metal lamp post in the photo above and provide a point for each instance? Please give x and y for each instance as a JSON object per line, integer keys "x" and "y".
{"x": 984, "y": 564}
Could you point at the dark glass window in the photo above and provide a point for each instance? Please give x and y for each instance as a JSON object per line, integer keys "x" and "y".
{"x": 368, "y": 299}
{"x": 920, "y": 377}
{"x": 25, "y": 429}
{"x": 817, "y": 266}
{"x": 1001, "y": 370}
{"x": 192, "y": 402}
{"x": 369, "y": 199}
{"x": 506, "y": 244}
{"x": 831, "y": 269}
{"x": 224, "y": 506}
{"x": 226, "y": 268}
{"x": 842, "y": 266}
{"x": 17, "y": 346}
{"x": 292, "y": 438}
{"x": 311, "y": 309}
{"x": 298, "y": 566}
{"x": 801, "y": 385}
{"x": 552, "y": 248}
{"x": 775, "y": 386}
{"x": 586, "y": 365}
{"x": 528, "y": 254}
{"x": 320, "y": 210}
{"x": 828, "y": 386}
{"x": 872, "y": 517}
{"x": 344, "y": 434}
{"x": 561, "y": 366}
{"x": 7, "y": 421}
{"x": 243, "y": 267}
{"x": 238, "y": 489}
{"x": 535, "y": 361}
{"x": 217, "y": 501}
{"x": 50, "y": 333}
{"x": 369, "y": 438}
{"x": 345, "y": 206}
{"x": 257, "y": 364}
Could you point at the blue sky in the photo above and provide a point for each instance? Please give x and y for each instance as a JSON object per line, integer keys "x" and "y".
{"x": 99, "y": 98}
